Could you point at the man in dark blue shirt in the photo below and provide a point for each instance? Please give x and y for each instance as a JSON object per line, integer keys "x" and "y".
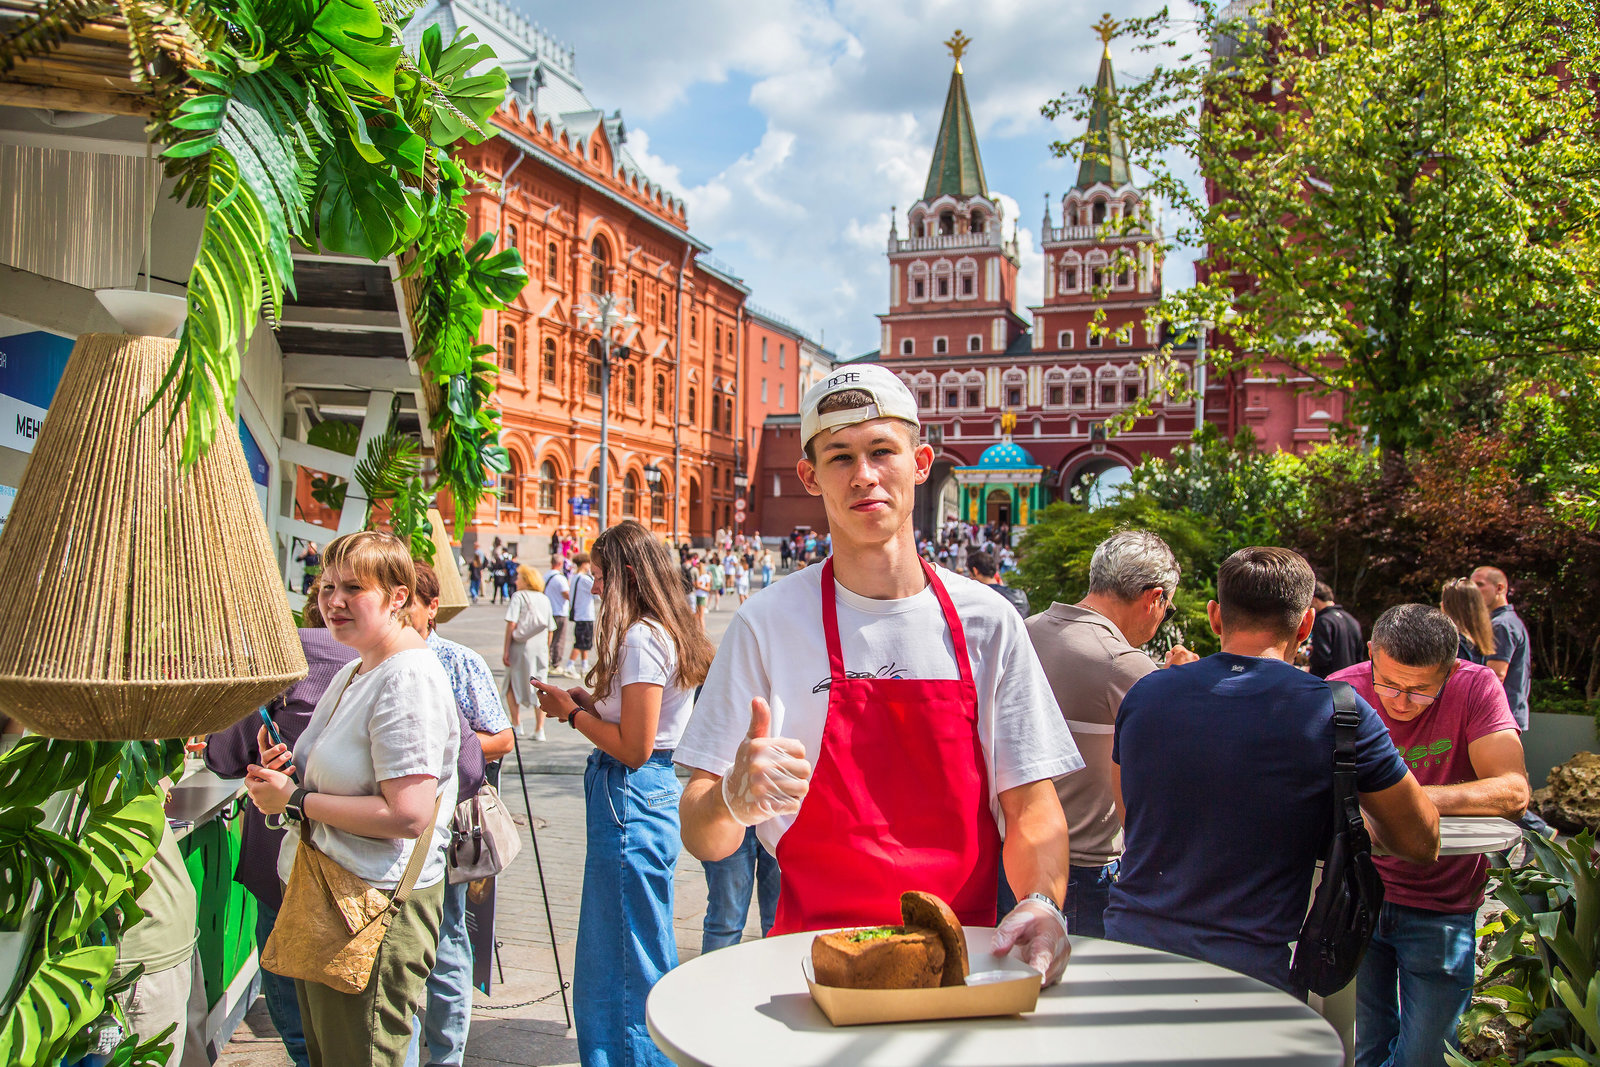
{"x": 1226, "y": 773}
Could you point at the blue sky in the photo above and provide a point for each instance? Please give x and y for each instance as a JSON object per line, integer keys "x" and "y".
{"x": 791, "y": 126}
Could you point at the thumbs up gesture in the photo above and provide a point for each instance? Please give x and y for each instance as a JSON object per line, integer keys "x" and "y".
{"x": 769, "y": 776}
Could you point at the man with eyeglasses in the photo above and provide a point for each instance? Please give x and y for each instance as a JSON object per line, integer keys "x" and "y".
{"x": 1451, "y": 723}
{"x": 1091, "y": 653}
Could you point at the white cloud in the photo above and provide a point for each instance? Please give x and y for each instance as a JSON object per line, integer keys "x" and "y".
{"x": 847, "y": 98}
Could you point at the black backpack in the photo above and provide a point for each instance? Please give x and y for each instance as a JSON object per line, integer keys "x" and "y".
{"x": 1344, "y": 911}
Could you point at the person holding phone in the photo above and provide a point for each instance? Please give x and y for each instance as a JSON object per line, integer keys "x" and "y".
{"x": 375, "y": 779}
{"x": 650, "y": 656}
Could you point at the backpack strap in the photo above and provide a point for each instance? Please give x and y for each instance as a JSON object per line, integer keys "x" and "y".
{"x": 1346, "y": 723}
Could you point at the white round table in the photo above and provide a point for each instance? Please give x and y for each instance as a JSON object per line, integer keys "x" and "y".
{"x": 1472, "y": 835}
{"x": 1117, "y": 1004}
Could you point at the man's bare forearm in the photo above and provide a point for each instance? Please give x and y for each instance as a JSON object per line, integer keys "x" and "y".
{"x": 1037, "y": 856}
{"x": 710, "y": 832}
{"x": 1505, "y": 795}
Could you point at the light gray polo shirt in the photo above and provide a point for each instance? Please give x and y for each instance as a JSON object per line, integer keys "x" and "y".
{"x": 1090, "y": 667}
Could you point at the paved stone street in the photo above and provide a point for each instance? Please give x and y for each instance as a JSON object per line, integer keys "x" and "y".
{"x": 523, "y": 1022}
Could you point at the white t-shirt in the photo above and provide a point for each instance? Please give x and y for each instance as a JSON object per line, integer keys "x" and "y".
{"x": 702, "y": 581}
{"x": 648, "y": 655}
{"x": 555, "y": 588}
{"x": 774, "y": 648}
{"x": 582, "y": 597}
{"x": 396, "y": 720}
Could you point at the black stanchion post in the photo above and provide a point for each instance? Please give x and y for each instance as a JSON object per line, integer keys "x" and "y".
{"x": 543, "y": 891}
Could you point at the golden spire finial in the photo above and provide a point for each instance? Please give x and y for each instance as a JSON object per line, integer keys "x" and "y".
{"x": 958, "y": 46}
{"x": 1008, "y": 423}
{"x": 1106, "y": 28}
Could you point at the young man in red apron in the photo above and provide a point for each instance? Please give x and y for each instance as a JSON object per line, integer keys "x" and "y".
{"x": 881, "y": 724}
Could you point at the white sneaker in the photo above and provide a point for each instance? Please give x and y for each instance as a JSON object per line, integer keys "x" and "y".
{"x": 538, "y": 735}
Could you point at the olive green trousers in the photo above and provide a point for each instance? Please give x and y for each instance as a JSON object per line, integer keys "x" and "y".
{"x": 373, "y": 1027}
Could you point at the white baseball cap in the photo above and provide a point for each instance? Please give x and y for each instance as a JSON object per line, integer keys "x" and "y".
{"x": 890, "y": 400}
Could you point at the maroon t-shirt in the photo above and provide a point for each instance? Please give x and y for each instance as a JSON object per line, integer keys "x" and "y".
{"x": 1434, "y": 746}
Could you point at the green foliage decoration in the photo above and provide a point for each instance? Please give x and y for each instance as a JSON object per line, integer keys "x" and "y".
{"x": 304, "y": 121}
{"x": 1053, "y": 560}
{"x": 74, "y": 892}
{"x": 1405, "y": 194}
{"x": 1538, "y": 998}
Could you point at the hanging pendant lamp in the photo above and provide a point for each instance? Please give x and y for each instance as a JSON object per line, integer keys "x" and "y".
{"x": 452, "y": 593}
{"x": 144, "y": 599}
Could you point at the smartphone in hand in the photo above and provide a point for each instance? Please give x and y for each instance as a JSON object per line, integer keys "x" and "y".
{"x": 277, "y": 738}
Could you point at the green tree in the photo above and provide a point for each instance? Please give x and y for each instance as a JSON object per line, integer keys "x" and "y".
{"x": 1401, "y": 197}
{"x": 1053, "y": 560}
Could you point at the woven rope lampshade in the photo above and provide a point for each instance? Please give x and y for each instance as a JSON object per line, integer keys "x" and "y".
{"x": 452, "y": 594}
{"x": 144, "y": 600}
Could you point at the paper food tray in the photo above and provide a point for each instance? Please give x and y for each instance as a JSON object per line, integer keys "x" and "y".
{"x": 998, "y": 996}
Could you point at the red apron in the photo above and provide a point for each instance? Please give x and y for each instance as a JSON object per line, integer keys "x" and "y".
{"x": 899, "y": 797}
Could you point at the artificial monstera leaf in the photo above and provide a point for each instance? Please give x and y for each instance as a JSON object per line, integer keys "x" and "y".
{"x": 119, "y": 843}
{"x": 61, "y": 997}
{"x": 363, "y": 210}
{"x": 352, "y": 33}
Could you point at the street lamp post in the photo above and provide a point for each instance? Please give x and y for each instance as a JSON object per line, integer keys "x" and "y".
{"x": 608, "y": 312}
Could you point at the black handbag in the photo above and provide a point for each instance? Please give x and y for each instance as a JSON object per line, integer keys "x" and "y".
{"x": 1344, "y": 911}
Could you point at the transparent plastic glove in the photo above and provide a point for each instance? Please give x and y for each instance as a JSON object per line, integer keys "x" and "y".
{"x": 769, "y": 776}
{"x": 1035, "y": 933}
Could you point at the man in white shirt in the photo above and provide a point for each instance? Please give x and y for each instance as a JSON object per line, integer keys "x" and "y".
{"x": 582, "y": 616}
{"x": 559, "y": 591}
{"x": 896, "y": 764}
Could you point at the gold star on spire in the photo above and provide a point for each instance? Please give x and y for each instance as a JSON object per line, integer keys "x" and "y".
{"x": 1106, "y": 28}
{"x": 958, "y": 46}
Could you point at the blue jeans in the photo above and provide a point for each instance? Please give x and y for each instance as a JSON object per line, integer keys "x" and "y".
{"x": 729, "y": 883}
{"x": 475, "y": 588}
{"x": 1088, "y": 893}
{"x": 449, "y": 1012}
{"x": 1427, "y": 957}
{"x": 282, "y": 1004}
{"x": 625, "y": 936}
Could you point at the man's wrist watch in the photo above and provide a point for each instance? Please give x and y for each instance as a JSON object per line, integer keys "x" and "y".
{"x": 295, "y": 809}
{"x": 1043, "y": 900}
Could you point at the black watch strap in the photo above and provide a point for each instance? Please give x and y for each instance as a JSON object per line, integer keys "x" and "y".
{"x": 296, "y": 808}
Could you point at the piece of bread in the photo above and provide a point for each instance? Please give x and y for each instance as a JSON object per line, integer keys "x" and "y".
{"x": 885, "y": 957}
{"x": 926, "y": 911}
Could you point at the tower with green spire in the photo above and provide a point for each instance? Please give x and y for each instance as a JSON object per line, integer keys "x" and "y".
{"x": 953, "y": 277}
{"x": 1105, "y": 256}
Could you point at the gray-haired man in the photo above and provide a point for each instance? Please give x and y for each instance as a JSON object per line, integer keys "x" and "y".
{"x": 1091, "y": 656}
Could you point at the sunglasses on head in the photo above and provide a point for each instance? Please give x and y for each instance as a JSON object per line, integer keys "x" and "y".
{"x": 1172, "y": 609}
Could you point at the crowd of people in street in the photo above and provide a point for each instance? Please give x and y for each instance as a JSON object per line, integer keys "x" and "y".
{"x": 1055, "y": 779}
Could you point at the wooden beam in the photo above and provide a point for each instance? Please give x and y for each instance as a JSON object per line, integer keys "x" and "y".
{"x": 325, "y": 460}
{"x": 348, "y": 372}
{"x": 373, "y": 425}
{"x": 13, "y": 94}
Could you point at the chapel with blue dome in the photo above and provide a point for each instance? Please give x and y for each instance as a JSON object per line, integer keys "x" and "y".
{"x": 1007, "y": 486}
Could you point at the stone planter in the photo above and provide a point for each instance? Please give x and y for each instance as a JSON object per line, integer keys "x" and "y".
{"x": 1551, "y": 740}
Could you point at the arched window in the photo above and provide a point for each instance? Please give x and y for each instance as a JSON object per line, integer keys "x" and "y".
{"x": 511, "y": 483}
{"x": 731, "y": 348}
{"x": 661, "y": 393}
{"x": 630, "y": 495}
{"x": 727, "y": 418}
{"x": 508, "y": 347}
{"x": 661, "y": 311}
{"x": 592, "y": 377}
{"x": 633, "y": 293}
{"x": 547, "y": 486}
{"x": 689, "y": 409}
{"x": 594, "y": 485}
{"x": 947, "y": 223}
{"x": 978, "y": 223}
{"x": 716, "y": 340}
{"x": 658, "y": 502}
{"x": 694, "y": 325}
{"x": 716, "y": 415}
{"x": 511, "y": 237}
{"x": 1099, "y": 212}
{"x": 548, "y": 360}
{"x": 599, "y": 266}
{"x": 552, "y": 264}
{"x": 631, "y": 389}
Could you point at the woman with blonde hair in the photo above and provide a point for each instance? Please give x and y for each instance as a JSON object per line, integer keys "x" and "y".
{"x": 376, "y": 770}
{"x": 1464, "y": 604}
{"x": 650, "y": 656}
{"x": 527, "y": 648}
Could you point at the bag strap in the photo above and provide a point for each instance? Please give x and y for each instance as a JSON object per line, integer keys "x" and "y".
{"x": 419, "y": 856}
{"x": 1346, "y": 723}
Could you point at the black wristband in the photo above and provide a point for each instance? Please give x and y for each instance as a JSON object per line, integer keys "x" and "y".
{"x": 295, "y": 809}
{"x": 572, "y": 720}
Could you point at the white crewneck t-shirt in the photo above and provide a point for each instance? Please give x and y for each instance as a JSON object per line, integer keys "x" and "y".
{"x": 396, "y": 720}
{"x": 774, "y": 648}
{"x": 648, "y": 655}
